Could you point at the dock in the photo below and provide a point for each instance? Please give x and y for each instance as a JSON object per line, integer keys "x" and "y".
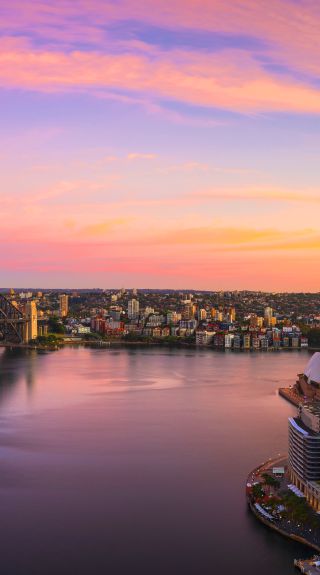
{"x": 291, "y": 394}
{"x": 309, "y": 566}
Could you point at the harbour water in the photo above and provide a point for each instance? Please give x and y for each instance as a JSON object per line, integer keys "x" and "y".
{"x": 135, "y": 460}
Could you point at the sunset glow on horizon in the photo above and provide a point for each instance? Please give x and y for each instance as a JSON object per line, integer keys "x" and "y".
{"x": 160, "y": 144}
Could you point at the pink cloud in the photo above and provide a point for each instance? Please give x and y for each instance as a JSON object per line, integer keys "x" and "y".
{"x": 232, "y": 80}
{"x": 290, "y": 30}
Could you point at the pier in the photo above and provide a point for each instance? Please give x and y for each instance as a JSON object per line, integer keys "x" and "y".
{"x": 292, "y": 395}
{"x": 309, "y": 566}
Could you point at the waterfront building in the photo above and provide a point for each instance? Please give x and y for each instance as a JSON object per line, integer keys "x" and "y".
{"x": 304, "y": 452}
{"x": 295, "y": 341}
{"x": 264, "y": 341}
{"x": 204, "y": 337}
{"x": 63, "y": 305}
{"x": 228, "y": 340}
{"x": 285, "y": 341}
{"x": 237, "y": 342}
{"x": 255, "y": 342}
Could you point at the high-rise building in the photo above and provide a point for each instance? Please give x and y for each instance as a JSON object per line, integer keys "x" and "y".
{"x": 202, "y": 314}
{"x": 188, "y": 311}
{"x": 63, "y": 305}
{"x": 268, "y": 316}
{"x": 304, "y": 452}
{"x": 133, "y": 308}
{"x": 232, "y": 314}
{"x": 31, "y": 325}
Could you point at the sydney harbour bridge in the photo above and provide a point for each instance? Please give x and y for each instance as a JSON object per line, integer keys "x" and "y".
{"x": 12, "y": 322}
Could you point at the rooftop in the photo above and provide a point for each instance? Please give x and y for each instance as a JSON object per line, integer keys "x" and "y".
{"x": 312, "y": 371}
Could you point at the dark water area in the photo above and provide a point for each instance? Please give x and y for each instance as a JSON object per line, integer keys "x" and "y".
{"x": 135, "y": 461}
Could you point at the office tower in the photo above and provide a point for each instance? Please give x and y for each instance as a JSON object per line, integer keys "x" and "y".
{"x": 63, "y": 305}
{"x": 133, "y": 308}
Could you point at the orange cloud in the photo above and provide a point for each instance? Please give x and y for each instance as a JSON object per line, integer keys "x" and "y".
{"x": 242, "y": 239}
{"x": 103, "y": 228}
{"x": 259, "y": 193}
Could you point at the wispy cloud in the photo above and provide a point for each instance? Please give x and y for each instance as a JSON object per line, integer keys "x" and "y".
{"x": 256, "y": 193}
{"x": 102, "y": 228}
{"x": 141, "y": 156}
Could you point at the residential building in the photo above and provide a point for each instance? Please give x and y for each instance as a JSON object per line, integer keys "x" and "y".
{"x": 63, "y": 305}
{"x": 133, "y": 308}
{"x": 204, "y": 337}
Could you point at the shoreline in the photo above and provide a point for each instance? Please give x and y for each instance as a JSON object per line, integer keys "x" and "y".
{"x": 109, "y": 343}
{"x": 266, "y": 465}
{"x": 291, "y": 536}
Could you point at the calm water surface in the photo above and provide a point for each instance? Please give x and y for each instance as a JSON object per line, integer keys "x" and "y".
{"x": 135, "y": 461}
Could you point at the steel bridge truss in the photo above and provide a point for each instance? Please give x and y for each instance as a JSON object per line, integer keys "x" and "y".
{"x": 12, "y": 322}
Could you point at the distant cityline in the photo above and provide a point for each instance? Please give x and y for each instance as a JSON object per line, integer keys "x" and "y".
{"x": 222, "y": 320}
{"x": 154, "y": 290}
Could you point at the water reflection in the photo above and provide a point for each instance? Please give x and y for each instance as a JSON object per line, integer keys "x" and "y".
{"x": 135, "y": 461}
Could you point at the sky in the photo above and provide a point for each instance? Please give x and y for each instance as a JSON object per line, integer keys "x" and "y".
{"x": 160, "y": 144}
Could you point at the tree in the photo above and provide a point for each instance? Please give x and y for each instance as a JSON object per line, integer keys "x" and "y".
{"x": 271, "y": 481}
{"x": 55, "y": 325}
{"x": 257, "y": 491}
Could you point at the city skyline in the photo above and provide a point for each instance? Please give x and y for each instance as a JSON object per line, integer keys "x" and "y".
{"x": 160, "y": 145}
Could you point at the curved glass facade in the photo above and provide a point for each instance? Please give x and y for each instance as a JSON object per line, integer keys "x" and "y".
{"x": 304, "y": 451}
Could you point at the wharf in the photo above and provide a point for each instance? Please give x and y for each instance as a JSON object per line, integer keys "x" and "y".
{"x": 292, "y": 395}
{"x": 308, "y": 566}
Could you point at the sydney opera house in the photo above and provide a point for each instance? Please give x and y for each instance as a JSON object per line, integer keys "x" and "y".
{"x": 308, "y": 383}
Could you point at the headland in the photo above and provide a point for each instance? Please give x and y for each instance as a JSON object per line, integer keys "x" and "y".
{"x": 280, "y": 505}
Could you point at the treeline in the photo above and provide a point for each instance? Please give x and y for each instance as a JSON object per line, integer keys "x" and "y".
{"x": 313, "y": 335}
